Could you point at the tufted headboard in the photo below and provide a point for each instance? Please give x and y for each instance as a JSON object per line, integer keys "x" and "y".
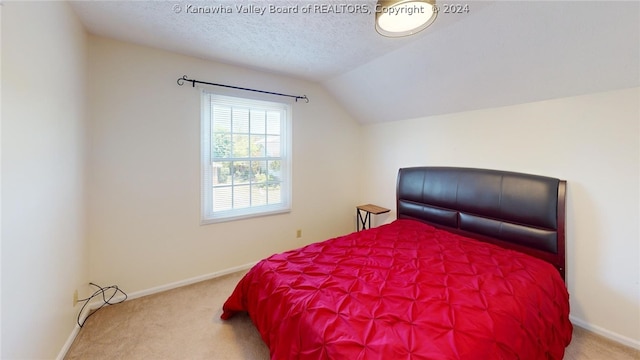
{"x": 517, "y": 211}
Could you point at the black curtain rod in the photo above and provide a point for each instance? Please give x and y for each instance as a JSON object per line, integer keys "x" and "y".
{"x": 193, "y": 84}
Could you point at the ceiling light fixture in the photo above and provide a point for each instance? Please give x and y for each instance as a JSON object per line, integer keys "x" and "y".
{"x": 396, "y": 18}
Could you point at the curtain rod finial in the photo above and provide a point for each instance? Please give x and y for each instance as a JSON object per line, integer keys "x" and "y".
{"x": 182, "y": 80}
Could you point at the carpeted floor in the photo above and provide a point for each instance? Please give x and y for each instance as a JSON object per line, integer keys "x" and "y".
{"x": 185, "y": 323}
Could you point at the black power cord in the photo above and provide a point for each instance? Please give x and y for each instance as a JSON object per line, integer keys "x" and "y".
{"x": 106, "y": 301}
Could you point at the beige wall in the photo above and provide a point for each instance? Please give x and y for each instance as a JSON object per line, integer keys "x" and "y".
{"x": 44, "y": 253}
{"x": 144, "y": 170}
{"x": 591, "y": 141}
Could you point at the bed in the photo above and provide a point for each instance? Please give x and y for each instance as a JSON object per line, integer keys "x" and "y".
{"x": 472, "y": 268}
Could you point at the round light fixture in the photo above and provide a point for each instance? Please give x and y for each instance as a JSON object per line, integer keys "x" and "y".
{"x": 395, "y": 18}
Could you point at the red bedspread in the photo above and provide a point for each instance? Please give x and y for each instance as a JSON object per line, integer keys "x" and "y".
{"x": 405, "y": 291}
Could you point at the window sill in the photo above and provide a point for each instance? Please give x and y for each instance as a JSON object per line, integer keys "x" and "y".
{"x": 221, "y": 219}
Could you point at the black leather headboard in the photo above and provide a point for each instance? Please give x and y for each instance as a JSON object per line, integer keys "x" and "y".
{"x": 518, "y": 211}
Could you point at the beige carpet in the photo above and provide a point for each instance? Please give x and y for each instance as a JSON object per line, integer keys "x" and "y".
{"x": 185, "y": 323}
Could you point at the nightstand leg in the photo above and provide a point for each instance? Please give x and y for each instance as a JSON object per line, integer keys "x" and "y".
{"x": 362, "y": 221}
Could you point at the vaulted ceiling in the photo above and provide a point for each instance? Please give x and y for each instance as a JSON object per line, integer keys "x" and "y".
{"x": 498, "y": 53}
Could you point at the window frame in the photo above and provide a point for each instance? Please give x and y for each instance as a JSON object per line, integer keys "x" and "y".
{"x": 207, "y": 213}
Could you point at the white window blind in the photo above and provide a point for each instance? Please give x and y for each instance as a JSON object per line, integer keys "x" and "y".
{"x": 246, "y": 160}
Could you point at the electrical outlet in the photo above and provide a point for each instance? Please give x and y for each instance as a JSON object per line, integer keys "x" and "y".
{"x": 75, "y": 298}
{"x": 299, "y": 233}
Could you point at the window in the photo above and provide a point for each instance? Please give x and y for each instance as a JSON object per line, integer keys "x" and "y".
{"x": 246, "y": 158}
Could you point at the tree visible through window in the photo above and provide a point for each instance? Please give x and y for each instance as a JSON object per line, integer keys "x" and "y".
{"x": 246, "y": 163}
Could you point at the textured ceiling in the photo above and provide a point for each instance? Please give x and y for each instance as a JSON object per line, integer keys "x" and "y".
{"x": 498, "y": 53}
{"x": 513, "y": 53}
{"x": 326, "y": 41}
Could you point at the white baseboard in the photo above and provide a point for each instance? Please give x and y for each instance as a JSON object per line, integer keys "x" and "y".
{"x": 605, "y": 333}
{"x": 158, "y": 289}
{"x": 68, "y": 343}
{"x": 190, "y": 281}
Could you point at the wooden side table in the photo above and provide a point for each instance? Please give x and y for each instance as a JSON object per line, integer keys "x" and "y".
{"x": 368, "y": 210}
